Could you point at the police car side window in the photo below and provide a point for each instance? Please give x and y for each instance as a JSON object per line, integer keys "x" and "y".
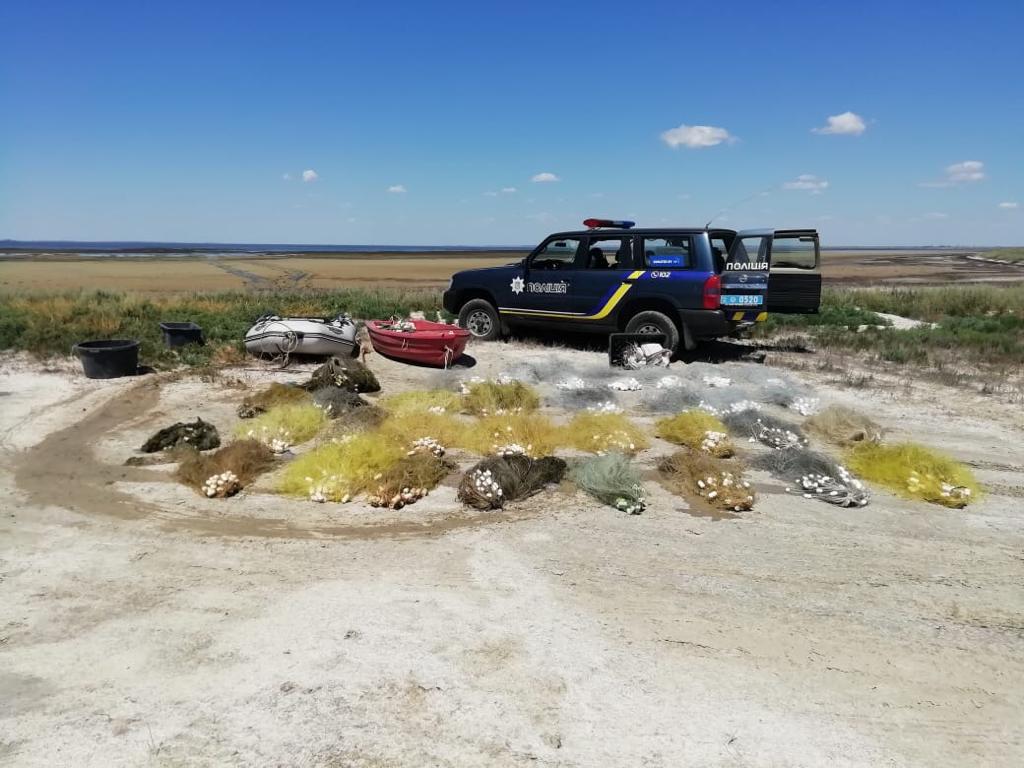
{"x": 668, "y": 252}
{"x": 556, "y": 254}
{"x": 609, "y": 253}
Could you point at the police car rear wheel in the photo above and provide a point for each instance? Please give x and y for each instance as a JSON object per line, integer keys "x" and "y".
{"x": 655, "y": 322}
{"x": 480, "y": 318}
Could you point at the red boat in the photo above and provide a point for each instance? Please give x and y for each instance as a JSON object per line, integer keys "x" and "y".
{"x": 418, "y": 341}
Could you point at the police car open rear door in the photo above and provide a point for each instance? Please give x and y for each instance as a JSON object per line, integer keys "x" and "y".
{"x": 794, "y": 284}
{"x": 744, "y": 281}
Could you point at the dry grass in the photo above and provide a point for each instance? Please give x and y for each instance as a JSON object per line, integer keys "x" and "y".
{"x": 843, "y": 426}
{"x": 247, "y": 459}
{"x": 692, "y": 429}
{"x": 291, "y": 424}
{"x": 487, "y": 398}
{"x": 605, "y": 432}
{"x": 713, "y": 481}
{"x": 915, "y": 472}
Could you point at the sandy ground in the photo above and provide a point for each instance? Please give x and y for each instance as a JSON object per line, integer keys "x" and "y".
{"x": 143, "y": 625}
{"x": 177, "y": 275}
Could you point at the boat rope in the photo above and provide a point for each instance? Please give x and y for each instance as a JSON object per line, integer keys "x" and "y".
{"x": 448, "y": 354}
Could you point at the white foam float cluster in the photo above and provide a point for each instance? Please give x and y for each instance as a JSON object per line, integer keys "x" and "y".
{"x": 712, "y": 440}
{"x": 727, "y": 489}
{"x": 737, "y": 407}
{"x": 426, "y": 445}
{"x": 617, "y": 440}
{"x": 466, "y": 384}
{"x": 571, "y": 384}
{"x": 485, "y": 484}
{"x": 437, "y": 409}
{"x": 844, "y": 491}
{"x": 717, "y": 381}
{"x": 625, "y": 385}
{"x": 806, "y": 406}
{"x": 957, "y": 493}
{"x": 396, "y": 500}
{"x": 512, "y": 449}
{"x": 669, "y": 382}
{"x": 278, "y": 442}
{"x": 606, "y": 407}
{"x": 222, "y": 485}
{"x": 635, "y": 505}
{"x": 777, "y": 437}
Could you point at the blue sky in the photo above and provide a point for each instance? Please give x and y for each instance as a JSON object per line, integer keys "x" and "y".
{"x": 433, "y": 123}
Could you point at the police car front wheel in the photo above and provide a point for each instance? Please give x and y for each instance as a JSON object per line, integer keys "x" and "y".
{"x": 480, "y": 318}
{"x": 655, "y": 322}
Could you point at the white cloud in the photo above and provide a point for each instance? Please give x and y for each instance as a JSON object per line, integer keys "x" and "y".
{"x": 936, "y": 216}
{"x": 807, "y": 182}
{"x": 696, "y": 136}
{"x": 508, "y": 190}
{"x": 541, "y": 178}
{"x": 310, "y": 176}
{"x": 490, "y": 194}
{"x": 1009, "y": 206}
{"x": 286, "y": 176}
{"x": 397, "y": 189}
{"x": 959, "y": 173}
{"x": 845, "y": 124}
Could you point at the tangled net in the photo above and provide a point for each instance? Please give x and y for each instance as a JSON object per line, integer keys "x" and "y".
{"x": 343, "y": 373}
{"x": 717, "y": 482}
{"x": 765, "y": 429}
{"x": 496, "y": 480}
{"x": 815, "y": 476}
{"x": 612, "y": 480}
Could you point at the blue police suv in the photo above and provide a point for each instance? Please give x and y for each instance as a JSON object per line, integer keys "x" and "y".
{"x": 688, "y": 284}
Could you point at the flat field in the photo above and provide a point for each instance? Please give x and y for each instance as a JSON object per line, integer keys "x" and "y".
{"x": 333, "y": 271}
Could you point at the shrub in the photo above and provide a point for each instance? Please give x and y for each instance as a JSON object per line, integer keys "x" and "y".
{"x": 612, "y": 480}
{"x": 915, "y": 472}
{"x": 604, "y": 432}
{"x": 487, "y": 398}
{"x": 843, "y": 426}
{"x": 286, "y": 424}
{"x": 716, "y": 482}
{"x": 246, "y": 459}
{"x": 339, "y": 471}
{"x": 698, "y": 430}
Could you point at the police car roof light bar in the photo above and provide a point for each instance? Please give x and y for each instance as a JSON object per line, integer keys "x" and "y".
{"x": 599, "y": 223}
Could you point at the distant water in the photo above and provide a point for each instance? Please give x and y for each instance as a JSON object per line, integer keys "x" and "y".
{"x": 13, "y": 249}
{"x": 129, "y": 249}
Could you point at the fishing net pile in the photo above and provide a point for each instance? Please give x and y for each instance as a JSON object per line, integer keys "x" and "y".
{"x": 343, "y": 373}
{"x": 409, "y": 480}
{"x": 612, "y": 480}
{"x": 765, "y": 429}
{"x": 843, "y": 426}
{"x": 496, "y": 480}
{"x": 225, "y": 471}
{"x": 718, "y": 482}
{"x": 814, "y": 476}
{"x": 198, "y": 434}
{"x": 265, "y": 399}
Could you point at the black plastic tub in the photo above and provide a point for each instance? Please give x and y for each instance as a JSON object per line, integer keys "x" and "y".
{"x": 108, "y": 358}
{"x": 180, "y": 334}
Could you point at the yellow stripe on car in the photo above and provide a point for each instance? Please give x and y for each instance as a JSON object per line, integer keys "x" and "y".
{"x": 609, "y": 306}
{"x": 761, "y": 317}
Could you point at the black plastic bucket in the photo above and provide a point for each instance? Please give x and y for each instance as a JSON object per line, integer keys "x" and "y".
{"x": 108, "y": 358}
{"x": 180, "y": 334}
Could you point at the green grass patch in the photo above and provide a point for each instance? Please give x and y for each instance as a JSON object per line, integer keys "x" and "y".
{"x": 50, "y": 323}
